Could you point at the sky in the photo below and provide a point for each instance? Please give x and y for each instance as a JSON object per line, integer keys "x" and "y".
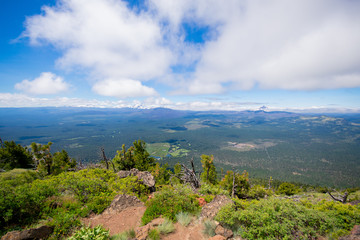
{"x": 299, "y": 55}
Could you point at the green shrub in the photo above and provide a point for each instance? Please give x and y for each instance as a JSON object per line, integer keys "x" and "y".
{"x": 169, "y": 202}
{"x": 63, "y": 222}
{"x": 285, "y": 219}
{"x": 14, "y": 155}
{"x": 242, "y": 184}
{"x": 288, "y": 189}
{"x": 18, "y": 176}
{"x": 88, "y": 233}
{"x": 74, "y": 193}
{"x": 166, "y": 227}
{"x": 184, "y": 218}
{"x": 212, "y": 189}
{"x": 209, "y": 228}
{"x": 258, "y": 192}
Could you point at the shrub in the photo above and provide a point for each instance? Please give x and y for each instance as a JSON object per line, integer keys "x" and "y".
{"x": 212, "y": 189}
{"x": 73, "y": 194}
{"x": 169, "y": 202}
{"x": 278, "y": 219}
{"x": 258, "y": 192}
{"x": 88, "y": 233}
{"x": 17, "y": 177}
{"x": 183, "y": 218}
{"x": 288, "y": 189}
{"x": 242, "y": 184}
{"x": 63, "y": 222}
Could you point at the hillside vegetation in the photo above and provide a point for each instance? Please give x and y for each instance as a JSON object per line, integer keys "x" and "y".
{"x": 59, "y": 194}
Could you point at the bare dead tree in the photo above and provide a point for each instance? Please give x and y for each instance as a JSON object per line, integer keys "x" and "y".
{"x": 233, "y": 186}
{"x": 107, "y": 160}
{"x": 189, "y": 176}
{"x": 342, "y": 198}
{"x": 1, "y": 142}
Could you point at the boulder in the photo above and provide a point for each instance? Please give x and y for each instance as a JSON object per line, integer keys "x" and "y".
{"x": 121, "y": 202}
{"x": 145, "y": 176}
{"x": 42, "y": 232}
{"x": 143, "y": 232}
{"x": 220, "y": 230}
{"x": 211, "y": 209}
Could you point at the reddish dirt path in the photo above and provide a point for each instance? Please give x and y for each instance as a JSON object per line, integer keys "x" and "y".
{"x": 191, "y": 232}
{"x": 127, "y": 219}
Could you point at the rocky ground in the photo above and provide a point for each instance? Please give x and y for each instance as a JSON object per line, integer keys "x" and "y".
{"x": 125, "y": 213}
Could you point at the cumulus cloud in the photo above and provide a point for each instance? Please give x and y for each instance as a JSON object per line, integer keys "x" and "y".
{"x": 46, "y": 83}
{"x": 296, "y": 45}
{"x": 122, "y": 88}
{"x": 104, "y": 37}
{"x": 277, "y": 44}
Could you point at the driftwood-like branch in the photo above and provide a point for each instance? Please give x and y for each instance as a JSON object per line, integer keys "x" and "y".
{"x": 105, "y": 159}
{"x": 233, "y": 186}
{"x": 188, "y": 176}
{"x": 343, "y": 198}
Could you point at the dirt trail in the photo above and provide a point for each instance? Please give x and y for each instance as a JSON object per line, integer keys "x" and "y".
{"x": 127, "y": 219}
{"x": 191, "y": 232}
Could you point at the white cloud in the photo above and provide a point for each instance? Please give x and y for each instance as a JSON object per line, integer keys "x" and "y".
{"x": 276, "y": 44}
{"x": 122, "y": 88}
{"x": 46, "y": 83}
{"x": 22, "y": 100}
{"x": 104, "y": 37}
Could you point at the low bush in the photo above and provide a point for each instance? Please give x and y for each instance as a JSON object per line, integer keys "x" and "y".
{"x": 68, "y": 196}
{"x": 276, "y": 219}
{"x": 206, "y": 189}
{"x": 169, "y": 202}
{"x": 88, "y": 233}
{"x": 288, "y": 189}
{"x": 258, "y": 191}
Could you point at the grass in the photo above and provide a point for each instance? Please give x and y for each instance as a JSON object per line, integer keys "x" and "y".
{"x": 166, "y": 227}
{"x": 130, "y": 234}
{"x": 209, "y": 228}
{"x": 154, "y": 234}
{"x": 183, "y": 218}
{"x": 158, "y": 149}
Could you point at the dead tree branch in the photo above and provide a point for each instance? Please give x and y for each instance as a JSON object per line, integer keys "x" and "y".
{"x": 343, "y": 198}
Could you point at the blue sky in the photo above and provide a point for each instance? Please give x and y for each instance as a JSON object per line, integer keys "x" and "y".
{"x": 299, "y": 55}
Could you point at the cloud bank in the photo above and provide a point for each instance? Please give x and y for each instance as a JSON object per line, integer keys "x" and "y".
{"x": 246, "y": 44}
{"x": 46, "y": 84}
